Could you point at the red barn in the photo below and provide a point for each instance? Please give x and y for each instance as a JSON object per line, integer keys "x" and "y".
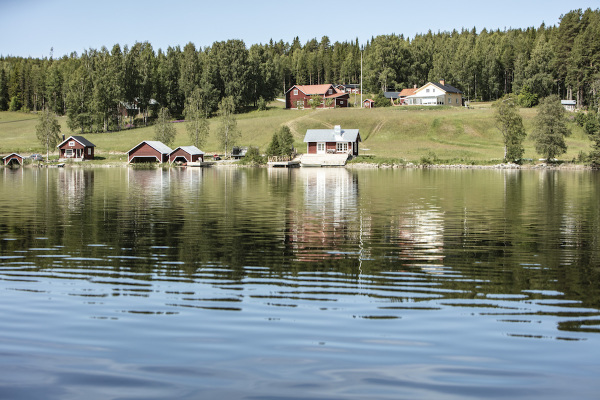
{"x": 12, "y": 159}
{"x": 332, "y": 141}
{"x": 298, "y": 96}
{"x": 76, "y": 147}
{"x": 149, "y": 151}
{"x": 186, "y": 154}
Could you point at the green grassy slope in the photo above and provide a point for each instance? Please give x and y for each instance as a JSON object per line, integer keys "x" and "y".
{"x": 455, "y": 134}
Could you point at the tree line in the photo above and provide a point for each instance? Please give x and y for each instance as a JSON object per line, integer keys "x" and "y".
{"x": 90, "y": 87}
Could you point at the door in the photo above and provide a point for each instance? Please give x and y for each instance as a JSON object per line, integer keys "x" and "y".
{"x": 320, "y": 148}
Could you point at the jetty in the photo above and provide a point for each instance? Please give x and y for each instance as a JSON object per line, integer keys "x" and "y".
{"x": 283, "y": 162}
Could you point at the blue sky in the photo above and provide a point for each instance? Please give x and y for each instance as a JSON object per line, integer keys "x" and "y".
{"x": 33, "y": 27}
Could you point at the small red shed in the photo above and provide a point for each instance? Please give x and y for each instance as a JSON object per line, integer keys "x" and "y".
{"x": 13, "y": 159}
{"x": 76, "y": 147}
{"x": 368, "y": 103}
{"x": 149, "y": 151}
{"x": 186, "y": 154}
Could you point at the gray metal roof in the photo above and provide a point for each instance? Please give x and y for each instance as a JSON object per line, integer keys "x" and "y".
{"x": 191, "y": 150}
{"x": 83, "y": 141}
{"x": 446, "y": 88}
{"x": 391, "y": 95}
{"x": 156, "y": 145}
{"x": 329, "y": 135}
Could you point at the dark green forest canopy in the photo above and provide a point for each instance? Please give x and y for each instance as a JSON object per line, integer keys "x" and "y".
{"x": 91, "y": 88}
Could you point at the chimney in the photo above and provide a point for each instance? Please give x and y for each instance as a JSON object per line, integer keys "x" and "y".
{"x": 415, "y": 86}
{"x": 337, "y": 130}
{"x": 442, "y": 82}
{"x": 63, "y": 137}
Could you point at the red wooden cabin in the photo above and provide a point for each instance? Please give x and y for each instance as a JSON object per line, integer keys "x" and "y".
{"x": 149, "y": 151}
{"x": 76, "y": 147}
{"x": 332, "y": 141}
{"x": 298, "y": 96}
{"x": 13, "y": 159}
{"x": 186, "y": 154}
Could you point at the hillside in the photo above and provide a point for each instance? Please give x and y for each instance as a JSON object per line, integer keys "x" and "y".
{"x": 453, "y": 134}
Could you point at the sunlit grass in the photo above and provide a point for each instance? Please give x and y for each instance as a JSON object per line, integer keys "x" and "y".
{"x": 406, "y": 133}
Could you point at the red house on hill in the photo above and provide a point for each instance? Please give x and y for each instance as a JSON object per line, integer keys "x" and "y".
{"x": 149, "y": 151}
{"x": 76, "y": 147}
{"x": 298, "y": 96}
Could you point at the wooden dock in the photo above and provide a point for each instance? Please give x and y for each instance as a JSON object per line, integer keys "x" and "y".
{"x": 283, "y": 162}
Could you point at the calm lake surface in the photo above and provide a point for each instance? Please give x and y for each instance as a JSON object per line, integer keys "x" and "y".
{"x": 230, "y": 283}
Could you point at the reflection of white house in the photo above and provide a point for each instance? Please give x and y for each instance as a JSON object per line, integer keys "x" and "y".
{"x": 433, "y": 93}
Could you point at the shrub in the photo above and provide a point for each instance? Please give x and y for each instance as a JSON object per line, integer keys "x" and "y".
{"x": 253, "y": 157}
{"x": 262, "y": 104}
{"x": 527, "y": 98}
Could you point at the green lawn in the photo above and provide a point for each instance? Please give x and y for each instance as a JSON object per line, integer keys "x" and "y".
{"x": 453, "y": 134}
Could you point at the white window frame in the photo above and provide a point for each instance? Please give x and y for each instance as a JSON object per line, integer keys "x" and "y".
{"x": 330, "y": 91}
{"x": 426, "y": 90}
{"x": 72, "y": 143}
{"x": 295, "y": 92}
{"x": 341, "y": 147}
{"x": 321, "y": 148}
{"x": 68, "y": 153}
{"x": 89, "y": 151}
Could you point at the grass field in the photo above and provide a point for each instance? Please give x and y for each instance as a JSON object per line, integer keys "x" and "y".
{"x": 444, "y": 133}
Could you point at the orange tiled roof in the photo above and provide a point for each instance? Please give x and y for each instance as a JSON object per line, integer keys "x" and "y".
{"x": 314, "y": 89}
{"x": 407, "y": 92}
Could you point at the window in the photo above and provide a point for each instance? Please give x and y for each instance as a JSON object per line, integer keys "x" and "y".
{"x": 300, "y": 104}
{"x": 341, "y": 102}
{"x": 89, "y": 151}
{"x": 426, "y": 90}
{"x": 433, "y": 90}
{"x": 71, "y": 143}
{"x": 457, "y": 100}
{"x": 295, "y": 92}
{"x": 320, "y": 148}
{"x": 329, "y": 91}
{"x": 449, "y": 100}
{"x": 68, "y": 153}
{"x": 342, "y": 147}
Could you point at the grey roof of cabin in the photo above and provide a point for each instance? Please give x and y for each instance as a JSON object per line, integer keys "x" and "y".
{"x": 80, "y": 139}
{"x": 329, "y": 135}
{"x": 191, "y": 150}
{"x": 391, "y": 95}
{"x": 446, "y": 88}
{"x": 12, "y": 154}
{"x": 156, "y": 145}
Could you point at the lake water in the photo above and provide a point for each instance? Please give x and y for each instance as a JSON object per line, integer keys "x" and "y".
{"x": 227, "y": 283}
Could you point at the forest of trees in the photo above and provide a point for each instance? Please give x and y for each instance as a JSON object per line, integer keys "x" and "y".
{"x": 485, "y": 65}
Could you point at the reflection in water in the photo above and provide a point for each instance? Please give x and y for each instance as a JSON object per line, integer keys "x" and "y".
{"x": 276, "y": 279}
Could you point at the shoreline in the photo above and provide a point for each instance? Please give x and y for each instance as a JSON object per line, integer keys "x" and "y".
{"x": 362, "y": 165}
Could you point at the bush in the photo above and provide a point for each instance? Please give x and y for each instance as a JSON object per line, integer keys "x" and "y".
{"x": 15, "y": 104}
{"x": 527, "y": 98}
{"x": 430, "y": 158}
{"x": 262, "y": 104}
{"x": 382, "y": 101}
{"x": 253, "y": 157}
{"x": 580, "y": 119}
